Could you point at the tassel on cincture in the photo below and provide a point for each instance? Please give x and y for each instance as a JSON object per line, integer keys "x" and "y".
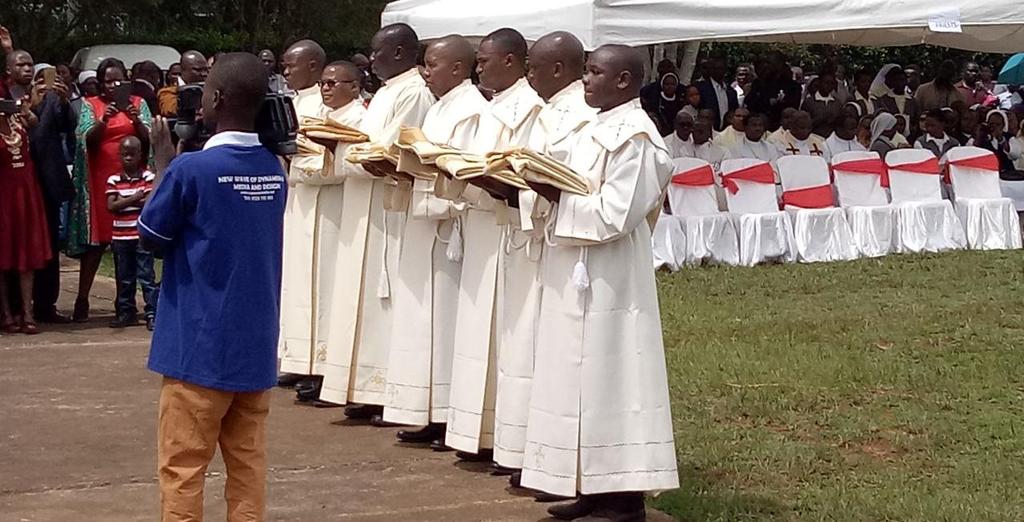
{"x": 384, "y": 285}
{"x": 580, "y": 277}
{"x": 454, "y": 250}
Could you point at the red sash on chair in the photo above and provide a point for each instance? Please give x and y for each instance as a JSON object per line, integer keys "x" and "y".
{"x": 985, "y": 162}
{"x": 866, "y": 166}
{"x": 702, "y": 176}
{"x": 810, "y": 197}
{"x": 759, "y": 173}
{"x": 928, "y": 166}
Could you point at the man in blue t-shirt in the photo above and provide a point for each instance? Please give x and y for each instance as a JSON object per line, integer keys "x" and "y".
{"x": 216, "y": 215}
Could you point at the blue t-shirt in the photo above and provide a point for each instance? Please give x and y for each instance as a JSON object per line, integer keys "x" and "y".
{"x": 218, "y": 216}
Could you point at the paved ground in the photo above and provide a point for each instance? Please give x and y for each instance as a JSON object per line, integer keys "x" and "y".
{"x": 78, "y": 443}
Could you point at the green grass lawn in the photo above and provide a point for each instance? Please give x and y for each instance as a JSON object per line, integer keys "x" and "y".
{"x": 884, "y": 389}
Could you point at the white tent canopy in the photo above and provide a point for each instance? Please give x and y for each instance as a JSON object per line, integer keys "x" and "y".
{"x": 992, "y": 26}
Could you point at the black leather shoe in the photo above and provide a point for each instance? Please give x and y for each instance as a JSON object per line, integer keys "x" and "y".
{"x": 427, "y": 433}
{"x": 124, "y": 322}
{"x": 439, "y": 446}
{"x": 323, "y": 404}
{"x": 378, "y": 421}
{"x": 516, "y": 479}
{"x": 583, "y": 506}
{"x": 618, "y": 507}
{"x": 484, "y": 455}
{"x": 81, "y": 314}
{"x": 547, "y": 498}
{"x": 289, "y": 380}
{"x": 501, "y": 471}
{"x": 150, "y": 323}
{"x": 309, "y": 389}
{"x": 363, "y": 411}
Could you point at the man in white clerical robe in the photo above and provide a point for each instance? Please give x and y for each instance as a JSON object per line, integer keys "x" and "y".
{"x": 735, "y": 131}
{"x": 304, "y": 62}
{"x": 425, "y": 289}
{"x": 800, "y": 141}
{"x": 360, "y": 324}
{"x": 680, "y": 141}
{"x": 558, "y": 122}
{"x": 753, "y": 144}
{"x": 507, "y": 123}
{"x": 600, "y": 422}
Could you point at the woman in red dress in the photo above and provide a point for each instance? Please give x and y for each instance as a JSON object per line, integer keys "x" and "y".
{"x": 102, "y": 125}
{"x": 24, "y": 238}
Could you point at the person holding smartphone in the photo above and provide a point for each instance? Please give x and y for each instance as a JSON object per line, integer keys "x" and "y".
{"x": 105, "y": 121}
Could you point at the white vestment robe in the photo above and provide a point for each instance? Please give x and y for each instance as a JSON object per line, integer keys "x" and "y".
{"x": 763, "y": 150}
{"x": 814, "y": 145}
{"x": 425, "y": 290}
{"x": 300, "y": 304}
{"x": 678, "y": 147}
{"x": 359, "y": 335}
{"x": 519, "y": 291}
{"x": 600, "y": 418}
{"x": 507, "y": 123}
{"x": 728, "y": 137}
{"x": 836, "y": 145}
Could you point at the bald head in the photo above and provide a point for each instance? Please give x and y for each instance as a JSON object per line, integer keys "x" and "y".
{"x": 447, "y": 63}
{"x": 303, "y": 64}
{"x": 395, "y": 48}
{"x": 556, "y": 61}
{"x": 194, "y": 68}
{"x": 613, "y": 76}
{"x": 234, "y": 92}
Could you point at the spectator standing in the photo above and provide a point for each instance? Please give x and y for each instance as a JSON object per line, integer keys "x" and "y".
{"x": 823, "y": 104}
{"x": 277, "y": 83}
{"x": 862, "y": 91}
{"x": 127, "y": 192}
{"x": 774, "y": 91}
{"x": 663, "y": 105}
{"x": 895, "y": 99}
{"x": 103, "y": 124}
{"x": 940, "y": 92}
{"x": 23, "y": 230}
{"x": 970, "y": 85}
{"x": 913, "y": 72}
{"x": 146, "y": 77}
{"x": 193, "y": 71}
{"x": 741, "y": 82}
{"x": 715, "y": 95}
{"x": 173, "y": 76}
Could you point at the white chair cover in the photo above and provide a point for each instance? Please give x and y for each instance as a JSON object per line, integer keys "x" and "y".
{"x": 708, "y": 234}
{"x": 668, "y": 241}
{"x": 990, "y": 221}
{"x": 872, "y": 219}
{"x": 765, "y": 233}
{"x": 821, "y": 234}
{"x": 927, "y": 223}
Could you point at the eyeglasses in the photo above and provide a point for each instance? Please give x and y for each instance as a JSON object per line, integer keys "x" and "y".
{"x": 330, "y": 84}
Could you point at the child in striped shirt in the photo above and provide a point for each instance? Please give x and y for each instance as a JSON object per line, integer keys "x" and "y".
{"x": 126, "y": 194}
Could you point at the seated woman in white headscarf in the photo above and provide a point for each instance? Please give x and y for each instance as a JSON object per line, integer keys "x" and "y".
{"x": 883, "y": 129}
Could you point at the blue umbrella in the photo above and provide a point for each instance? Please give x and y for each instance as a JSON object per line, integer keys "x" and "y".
{"x": 1013, "y": 70}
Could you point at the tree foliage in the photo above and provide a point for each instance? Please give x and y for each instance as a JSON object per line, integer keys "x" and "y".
{"x": 54, "y": 29}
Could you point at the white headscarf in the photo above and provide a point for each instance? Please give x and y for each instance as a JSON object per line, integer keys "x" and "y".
{"x": 85, "y": 76}
{"x": 878, "y": 86}
{"x": 883, "y": 121}
{"x": 39, "y": 67}
{"x": 857, "y": 107}
{"x": 662, "y": 84}
{"x": 1006, "y": 119}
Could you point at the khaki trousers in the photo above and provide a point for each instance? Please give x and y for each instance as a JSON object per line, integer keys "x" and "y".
{"x": 193, "y": 421}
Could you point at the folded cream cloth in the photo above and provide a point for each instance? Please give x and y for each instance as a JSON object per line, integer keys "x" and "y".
{"x": 537, "y": 168}
{"x": 312, "y": 165}
{"x": 417, "y": 156}
{"x": 328, "y": 129}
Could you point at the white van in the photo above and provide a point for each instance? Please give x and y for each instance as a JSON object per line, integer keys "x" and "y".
{"x": 89, "y": 58}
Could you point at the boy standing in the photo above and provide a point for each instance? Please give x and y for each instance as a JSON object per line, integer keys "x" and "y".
{"x": 126, "y": 194}
{"x": 217, "y": 216}
{"x": 935, "y": 138}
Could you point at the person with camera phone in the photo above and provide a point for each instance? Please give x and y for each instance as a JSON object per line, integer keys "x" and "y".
{"x": 23, "y": 231}
{"x": 217, "y": 216}
{"x": 106, "y": 120}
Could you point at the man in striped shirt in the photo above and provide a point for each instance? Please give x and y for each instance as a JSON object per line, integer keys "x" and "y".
{"x": 126, "y": 194}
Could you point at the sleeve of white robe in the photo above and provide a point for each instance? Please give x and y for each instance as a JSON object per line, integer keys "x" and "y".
{"x": 409, "y": 111}
{"x": 634, "y": 178}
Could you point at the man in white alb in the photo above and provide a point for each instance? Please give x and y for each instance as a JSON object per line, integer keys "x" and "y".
{"x": 680, "y": 142}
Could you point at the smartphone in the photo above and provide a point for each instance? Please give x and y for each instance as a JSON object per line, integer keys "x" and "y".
{"x": 49, "y": 77}
{"x": 122, "y": 95}
{"x": 9, "y": 107}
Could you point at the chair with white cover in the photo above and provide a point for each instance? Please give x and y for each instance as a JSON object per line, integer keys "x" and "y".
{"x": 709, "y": 234}
{"x": 927, "y": 223}
{"x": 819, "y": 228}
{"x": 668, "y": 241}
{"x": 861, "y": 179}
{"x": 990, "y": 221}
{"x": 765, "y": 233}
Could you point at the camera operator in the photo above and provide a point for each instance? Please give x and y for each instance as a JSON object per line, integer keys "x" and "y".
{"x": 193, "y": 72}
{"x": 217, "y": 217}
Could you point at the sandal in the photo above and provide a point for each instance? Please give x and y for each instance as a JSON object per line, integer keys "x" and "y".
{"x": 29, "y": 327}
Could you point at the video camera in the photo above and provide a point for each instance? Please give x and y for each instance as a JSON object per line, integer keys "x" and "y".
{"x": 276, "y": 123}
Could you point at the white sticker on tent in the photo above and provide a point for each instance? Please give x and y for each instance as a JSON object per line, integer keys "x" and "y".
{"x": 945, "y": 21}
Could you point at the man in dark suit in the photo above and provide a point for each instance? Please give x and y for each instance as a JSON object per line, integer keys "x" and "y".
{"x": 715, "y": 94}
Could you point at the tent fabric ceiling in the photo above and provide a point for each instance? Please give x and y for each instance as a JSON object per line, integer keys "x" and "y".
{"x": 994, "y": 26}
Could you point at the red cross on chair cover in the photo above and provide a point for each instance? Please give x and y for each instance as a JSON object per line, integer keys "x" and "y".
{"x": 808, "y": 197}
{"x": 758, "y": 173}
{"x": 873, "y": 166}
{"x": 702, "y": 176}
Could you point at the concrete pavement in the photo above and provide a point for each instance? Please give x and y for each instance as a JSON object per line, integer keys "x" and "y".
{"x": 78, "y": 428}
